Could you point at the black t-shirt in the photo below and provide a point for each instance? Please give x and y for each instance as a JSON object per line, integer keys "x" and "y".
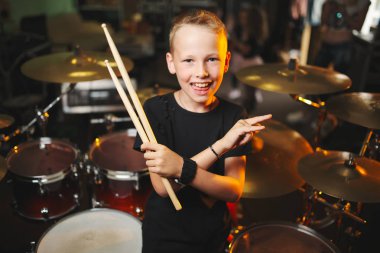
{"x": 196, "y": 228}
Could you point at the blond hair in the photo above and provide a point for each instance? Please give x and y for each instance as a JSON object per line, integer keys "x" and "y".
{"x": 197, "y": 17}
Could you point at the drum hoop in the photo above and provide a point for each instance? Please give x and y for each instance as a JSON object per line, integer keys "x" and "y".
{"x": 79, "y": 213}
{"x": 121, "y": 175}
{"x": 296, "y": 226}
{"x": 44, "y": 179}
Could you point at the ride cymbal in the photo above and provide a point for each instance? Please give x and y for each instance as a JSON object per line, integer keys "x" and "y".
{"x": 272, "y": 166}
{"x": 6, "y": 120}
{"x": 342, "y": 175}
{"x": 70, "y": 67}
{"x": 359, "y": 108}
{"x": 281, "y": 78}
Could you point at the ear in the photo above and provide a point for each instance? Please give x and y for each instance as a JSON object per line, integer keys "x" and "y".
{"x": 227, "y": 62}
{"x": 170, "y": 63}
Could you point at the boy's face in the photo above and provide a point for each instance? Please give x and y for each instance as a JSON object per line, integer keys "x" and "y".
{"x": 199, "y": 58}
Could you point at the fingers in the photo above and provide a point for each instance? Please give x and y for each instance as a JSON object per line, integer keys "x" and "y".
{"x": 258, "y": 119}
{"x": 149, "y": 146}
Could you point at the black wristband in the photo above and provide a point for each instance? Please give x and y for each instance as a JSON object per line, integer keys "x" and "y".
{"x": 189, "y": 169}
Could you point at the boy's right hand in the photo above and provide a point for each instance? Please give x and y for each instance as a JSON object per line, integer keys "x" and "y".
{"x": 243, "y": 131}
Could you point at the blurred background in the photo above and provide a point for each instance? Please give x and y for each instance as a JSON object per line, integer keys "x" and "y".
{"x": 55, "y": 92}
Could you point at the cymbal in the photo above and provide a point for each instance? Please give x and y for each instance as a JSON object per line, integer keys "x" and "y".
{"x": 304, "y": 79}
{"x": 333, "y": 173}
{"x": 6, "y": 120}
{"x": 3, "y": 170}
{"x": 359, "y": 108}
{"x": 146, "y": 93}
{"x": 70, "y": 67}
{"x": 272, "y": 165}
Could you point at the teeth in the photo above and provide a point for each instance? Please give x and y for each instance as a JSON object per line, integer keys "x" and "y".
{"x": 201, "y": 85}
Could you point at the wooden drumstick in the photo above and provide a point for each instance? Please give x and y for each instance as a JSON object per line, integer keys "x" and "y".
{"x": 140, "y": 129}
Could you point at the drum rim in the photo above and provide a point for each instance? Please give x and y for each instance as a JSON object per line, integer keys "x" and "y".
{"x": 79, "y": 213}
{"x": 296, "y": 226}
{"x": 44, "y": 179}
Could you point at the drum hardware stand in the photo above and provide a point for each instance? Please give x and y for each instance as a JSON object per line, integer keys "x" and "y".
{"x": 322, "y": 113}
{"x": 41, "y": 117}
{"x": 109, "y": 120}
{"x": 366, "y": 142}
{"x": 32, "y": 247}
{"x": 337, "y": 209}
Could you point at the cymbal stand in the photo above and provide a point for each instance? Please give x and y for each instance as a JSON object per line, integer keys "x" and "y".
{"x": 322, "y": 113}
{"x": 366, "y": 142}
{"x": 41, "y": 117}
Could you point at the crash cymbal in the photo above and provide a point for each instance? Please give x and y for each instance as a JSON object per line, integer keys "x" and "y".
{"x": 3, "y": 170}
{"x": 70, "y": 67}
{"x": 337, "y": 175}
{"x": 280, "y": 78}
{"x": 272, "y": 166}
{"x": 146, "y": 93}
{"x": 6, "y": 120}
{"x": 359, "y": 108}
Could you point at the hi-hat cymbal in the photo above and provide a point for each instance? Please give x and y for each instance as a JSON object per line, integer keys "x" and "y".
{"x": 306, "y": 79}
{"x": 333, "y": 173}
{"x": 146, "y": 93}
{"x": 359, "y": 108}
{"x": 272, "y": 166}
{"x": 70, "y": 67}
{"x": 3, "y": 170}
{"x": 6, "y": 120}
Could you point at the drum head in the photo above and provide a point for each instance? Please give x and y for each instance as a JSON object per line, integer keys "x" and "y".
{"x": 281, "y": 238}
{"x": 41, "y": 157}
{"x": 115, "y": 152}
{"x": 93, "y": 231}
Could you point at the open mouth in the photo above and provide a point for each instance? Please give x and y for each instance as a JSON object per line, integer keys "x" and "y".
{"x": 201, "y": 85}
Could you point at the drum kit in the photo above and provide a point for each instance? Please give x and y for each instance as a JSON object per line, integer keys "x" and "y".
{"x": 282, "y": 162}
{"x": 46, "y": 172}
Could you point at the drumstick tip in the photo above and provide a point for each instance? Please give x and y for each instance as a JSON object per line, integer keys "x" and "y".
{"x": 104, "y": 25}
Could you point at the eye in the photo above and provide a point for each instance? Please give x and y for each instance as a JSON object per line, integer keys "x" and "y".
{"x": 188, "y": 60}
{"x": 213, "y": 59}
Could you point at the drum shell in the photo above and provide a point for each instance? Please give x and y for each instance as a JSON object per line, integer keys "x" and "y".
{"x": 124, "y": 195}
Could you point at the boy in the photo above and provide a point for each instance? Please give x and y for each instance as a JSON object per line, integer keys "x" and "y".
{"x": 194, "y": 123}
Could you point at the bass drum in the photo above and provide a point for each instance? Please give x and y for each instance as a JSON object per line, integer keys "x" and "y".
{"x": 93, "y": 231}
{"x": 121, "y": 179}
{"x": 280, "y": 238}
{"x": 44, "y": 177}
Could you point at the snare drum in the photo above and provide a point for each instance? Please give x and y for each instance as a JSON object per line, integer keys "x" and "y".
{"x": 44, "y": 178}
{"x": 94, "y": 230}
{"x": 281, "y": 238}
{"x": 121, "y": 179}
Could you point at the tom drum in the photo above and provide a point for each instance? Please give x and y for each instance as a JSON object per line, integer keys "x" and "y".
{"x": 121, "y": 180}
{"x": 44, "y": 177}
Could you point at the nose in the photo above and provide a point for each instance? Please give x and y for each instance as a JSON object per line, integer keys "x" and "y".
{"x": 201, "y": 71}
